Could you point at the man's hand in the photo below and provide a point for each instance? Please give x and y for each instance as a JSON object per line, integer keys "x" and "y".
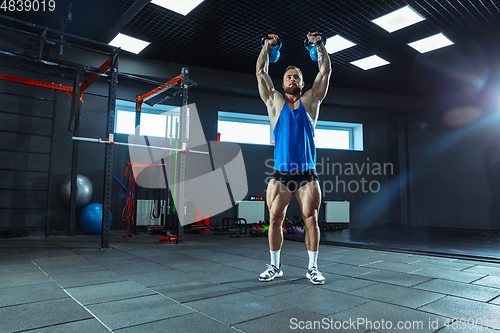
{"x": 313, "y": 37}
{"x": 273, "y": 41}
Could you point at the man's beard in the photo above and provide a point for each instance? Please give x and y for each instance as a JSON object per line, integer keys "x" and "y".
{"x": 293, "y": 90}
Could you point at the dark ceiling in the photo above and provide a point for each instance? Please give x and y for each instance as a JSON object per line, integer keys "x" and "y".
{"x": 226, "y": 34}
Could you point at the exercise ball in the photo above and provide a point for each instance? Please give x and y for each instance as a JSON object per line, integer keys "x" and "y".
{"x": 84, "y": 194}
{"x": 91, "y": 219}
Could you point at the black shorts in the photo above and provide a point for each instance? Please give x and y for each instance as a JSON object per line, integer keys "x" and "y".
{"x": 295, "y": 180}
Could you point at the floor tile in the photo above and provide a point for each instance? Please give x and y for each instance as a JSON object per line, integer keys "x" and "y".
{"x": 136, "y": 311}
{"x": 194, "y": 290}
{"x": 60, "y": 260}
{"x": 322, "y": 300}
{"x": 73, "y": 268}
{"x": 21, "y": 266}
{"x": 385, "y": 318}
{"x": 158, "y": 278}
{"x": 445, "y": 274}
{"x": 274, "y": 287}
{"x": 240, "y": 307}
{"x": 398, "y": 295}
{"x": 354, "y": 260}
{"x": 393, "y": 266}
{"x": 347, "y": 270}
{"x": 38, "y": 253}
{"x": 293, "y": 320}
{"x": 192, "y": 323}
{"x": 451, "y": 265}
{"x": 453, "y": 307}
{"x": 405, "y": 280}
{"x": 489, "y": 281}
{"x": 87, "y": 278}
{"x": 31, "y": 294}
{"x": 345, "y": 284}
{"x": 108, "y": 292}
{"x": 401, "y": 258}
{"x": 249, "y": 264}
{"x": 484, "y": 270}
{"x": 86, "y": 325}
{"x": 465, "y": 290}
{"x": 34, "y": 315}
{"x": 23, "y": 279}
{"x": 134, "y": 268}
{"x": 222, "y": 273}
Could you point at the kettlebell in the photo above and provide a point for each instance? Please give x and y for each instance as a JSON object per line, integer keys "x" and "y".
{"x": 312, "y": 48}
{"x": 274, "y": 52}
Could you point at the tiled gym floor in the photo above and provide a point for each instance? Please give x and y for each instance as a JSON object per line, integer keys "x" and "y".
{"x": 210, "y": 284}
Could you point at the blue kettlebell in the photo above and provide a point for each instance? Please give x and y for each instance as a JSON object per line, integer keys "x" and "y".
{"x": 312, "y": 48}
{"x": 274, "y": 52}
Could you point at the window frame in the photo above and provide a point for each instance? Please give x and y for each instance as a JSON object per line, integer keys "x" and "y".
{"x": 158, "y": 109}
{"x": 355, "y": 130}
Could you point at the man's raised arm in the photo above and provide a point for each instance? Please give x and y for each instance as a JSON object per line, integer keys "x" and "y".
{"x": 321, "y": 82}
{"x": 266, "y": 87}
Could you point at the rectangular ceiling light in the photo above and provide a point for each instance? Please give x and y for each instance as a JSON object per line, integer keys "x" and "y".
{"x": 182, "y": 7}
{"x": 337, "y": 43}
{"x": 399, "y": 19}
{"x": 431, "y": 43}
{"x": 128, "y": 43}
{"x": 370, "y": 62}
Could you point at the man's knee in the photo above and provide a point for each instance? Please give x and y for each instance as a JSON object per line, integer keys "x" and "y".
{"x": 276, "y": 219}
{"x": 311, "y": 219}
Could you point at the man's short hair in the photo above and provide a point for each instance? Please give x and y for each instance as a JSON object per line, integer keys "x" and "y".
{"x": 294, "y": 67}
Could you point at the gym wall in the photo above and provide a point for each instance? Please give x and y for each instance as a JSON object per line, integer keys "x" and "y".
{"x": 389, "y": 137}
{"x": 453, "y": 181}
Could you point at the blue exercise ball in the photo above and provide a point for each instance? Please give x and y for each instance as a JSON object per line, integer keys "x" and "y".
{"x": 91, "y": 219}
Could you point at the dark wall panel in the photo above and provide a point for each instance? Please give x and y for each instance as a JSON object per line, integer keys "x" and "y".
{"x": 454, "y": 160}
{"x": 19, "y": 218}
{"x": 24, "y": 199}
{"x": 24, "y": 161}
{"x": 21, "y": 180}
{"x": 25, "y": 124}
{"x": 26, "y": 143}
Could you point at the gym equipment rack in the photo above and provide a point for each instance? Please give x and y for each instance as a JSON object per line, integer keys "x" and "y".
{"x": 67, "y": 69}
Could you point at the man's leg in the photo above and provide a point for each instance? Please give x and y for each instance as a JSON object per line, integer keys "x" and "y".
{"x": 278, "y": 197}
{"x": 309, "y": 198}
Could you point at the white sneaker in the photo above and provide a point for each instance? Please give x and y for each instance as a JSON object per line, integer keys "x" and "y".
{"x": 270, "y": 273}
{"x": 315, "y": 276}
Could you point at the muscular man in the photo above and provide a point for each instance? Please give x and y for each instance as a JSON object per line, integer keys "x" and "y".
{"x": 293, "y": 118}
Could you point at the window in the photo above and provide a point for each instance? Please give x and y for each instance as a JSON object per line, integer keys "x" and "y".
{"x": 244, "y": 128}
{"x": 256, "y": 129}
{"x": 125, "y": 122}
{"x": 158, "y": 120}
{"x": 244, "y": 132}
{"x": 332, "y": 138}
{"x": 153, "y": 124}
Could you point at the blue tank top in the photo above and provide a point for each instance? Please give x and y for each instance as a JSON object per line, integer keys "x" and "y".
{"x": 294, "y": 149}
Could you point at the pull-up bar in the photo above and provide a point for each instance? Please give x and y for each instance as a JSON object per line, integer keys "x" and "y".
{"x": 111, "y": 142}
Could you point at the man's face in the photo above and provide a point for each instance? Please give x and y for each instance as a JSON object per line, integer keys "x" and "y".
{"x": 292, "y": 82}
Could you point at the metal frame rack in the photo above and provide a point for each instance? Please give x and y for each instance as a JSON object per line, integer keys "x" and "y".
{"x": 65, "y": 69}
